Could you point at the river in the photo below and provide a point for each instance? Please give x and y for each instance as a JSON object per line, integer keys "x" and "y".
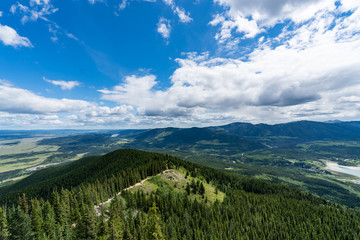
{"x": 354, "y": 171}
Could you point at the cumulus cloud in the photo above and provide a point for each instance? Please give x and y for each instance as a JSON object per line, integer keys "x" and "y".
{"x": 20, "y": 107}
{"x": 9, "y": 37}
{"x": 65, "y": 85}
{"x": 314, "y": 73}
{"x": 17, "y": 100}
{"x": 164, "y": 28}
{"x": 249, "y": 18}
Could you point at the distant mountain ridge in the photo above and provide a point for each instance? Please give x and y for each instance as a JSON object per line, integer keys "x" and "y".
{"x": 190, "y": 137}
{"x": 308, "y": 130}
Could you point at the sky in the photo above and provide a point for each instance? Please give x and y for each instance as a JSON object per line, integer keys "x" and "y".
{"x": 118, "y": 64}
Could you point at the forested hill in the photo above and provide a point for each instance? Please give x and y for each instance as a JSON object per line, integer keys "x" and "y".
{"x": 186, "y": 138}
{"x": 62, "y": 207}
{"x": 119, "y": 163}
{"x": 306, "y": 130}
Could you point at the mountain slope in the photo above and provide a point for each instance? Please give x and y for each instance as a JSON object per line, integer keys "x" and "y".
{"x": 83, "y": 171}
{"x": 197, "y": 138}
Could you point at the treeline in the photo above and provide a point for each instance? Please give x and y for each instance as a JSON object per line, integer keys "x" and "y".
{"x": 252, "y": 209}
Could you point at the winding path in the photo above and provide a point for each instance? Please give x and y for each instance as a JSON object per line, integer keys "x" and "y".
{"x": 98, "y": 208}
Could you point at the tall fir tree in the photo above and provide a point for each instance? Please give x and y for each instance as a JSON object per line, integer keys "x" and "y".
{"x": 153, "y": 227}
{"x": 49, "y": 224}
{"x": 19, "y": 225}
{"x": 4, "y": 233}
{"x": 23, "y": 203}
{"x": 86, "y": 228}
{"x": 36, "y": 217}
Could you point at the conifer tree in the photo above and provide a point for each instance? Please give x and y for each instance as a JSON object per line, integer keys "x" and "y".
{"x": 153, "y": 227}
{"x": 4, "y": 233}
{"x": 187, "y": 189}
{"x": 36, "y": 217}
{"x": 19, "y": 225}
{"x": 103, "y": 227}
{"x": 127, "y": 232}
{"x": 86, "y": 229}
{"x": 23, "y": 203}
{"x": 202, "y": 189}
{"x": 115, "y": 227}
{"x": 48, "y": 220}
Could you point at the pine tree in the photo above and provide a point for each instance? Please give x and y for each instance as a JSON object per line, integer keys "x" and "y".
{"x": 48, "y": 220}
{"x": 202, "y": 189}
{"x": 193, "y": 186}
{"x": 36, "y": 217}
{"x": 4, "y": 233}
{"x": 23, "y": 203}
{"x": 19, "y": 225}
{"x": 187, "y": 189}
{"x": 86, "y": 229}
{"x": 127, "y": 233}
{"x": 103, "y": 227}
{"x": 153, "y": 227}
{"x": 115, "y": 227}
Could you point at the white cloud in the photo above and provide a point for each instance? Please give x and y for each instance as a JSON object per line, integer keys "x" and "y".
{"x": 71, "y": 36}
{"x": 1, "y": 13}
{"x": 39, "y": 2}
{"x": 249, "y": 18}
{"x": 17, "y": 100}
{"x": 38, "y": 9}
{"x": 41, "y": 9}
{"x": 65, "y": 85}
{"x": 20, "y": 107}
{"x": 313, "y": 74}
{"x": 184, "y": 17}
{"x": 180, "y": 12}
{"x": 123, "y": 4}
{"x": 164, "y": 28}
{"x": 9, "y": 37}
{"x": 5, "y": 82}
{"x": 92, "y": 2}
{"x": 168, "y": 2}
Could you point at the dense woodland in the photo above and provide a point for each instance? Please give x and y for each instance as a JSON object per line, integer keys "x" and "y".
{"x": 62, "y": 207}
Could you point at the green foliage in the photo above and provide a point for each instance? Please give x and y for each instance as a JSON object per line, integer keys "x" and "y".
{"x": 251, "y": 209}
{"x": 36, "y": 217}
{"x": 19, "y": 225}
{"x": 153, "y": 227}
{"x": 87, "y": 228}
{"x": 4, "y": 233}
{"x": 48, "y": 214}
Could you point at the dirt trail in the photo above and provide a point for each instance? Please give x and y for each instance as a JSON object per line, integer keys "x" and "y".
{"x": 101, "y": 205}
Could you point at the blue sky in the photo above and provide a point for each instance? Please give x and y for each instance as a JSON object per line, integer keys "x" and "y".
{"x": 157, "y": 63}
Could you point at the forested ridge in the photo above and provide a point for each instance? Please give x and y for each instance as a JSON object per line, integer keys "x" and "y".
{"x": 58, "y": 203}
